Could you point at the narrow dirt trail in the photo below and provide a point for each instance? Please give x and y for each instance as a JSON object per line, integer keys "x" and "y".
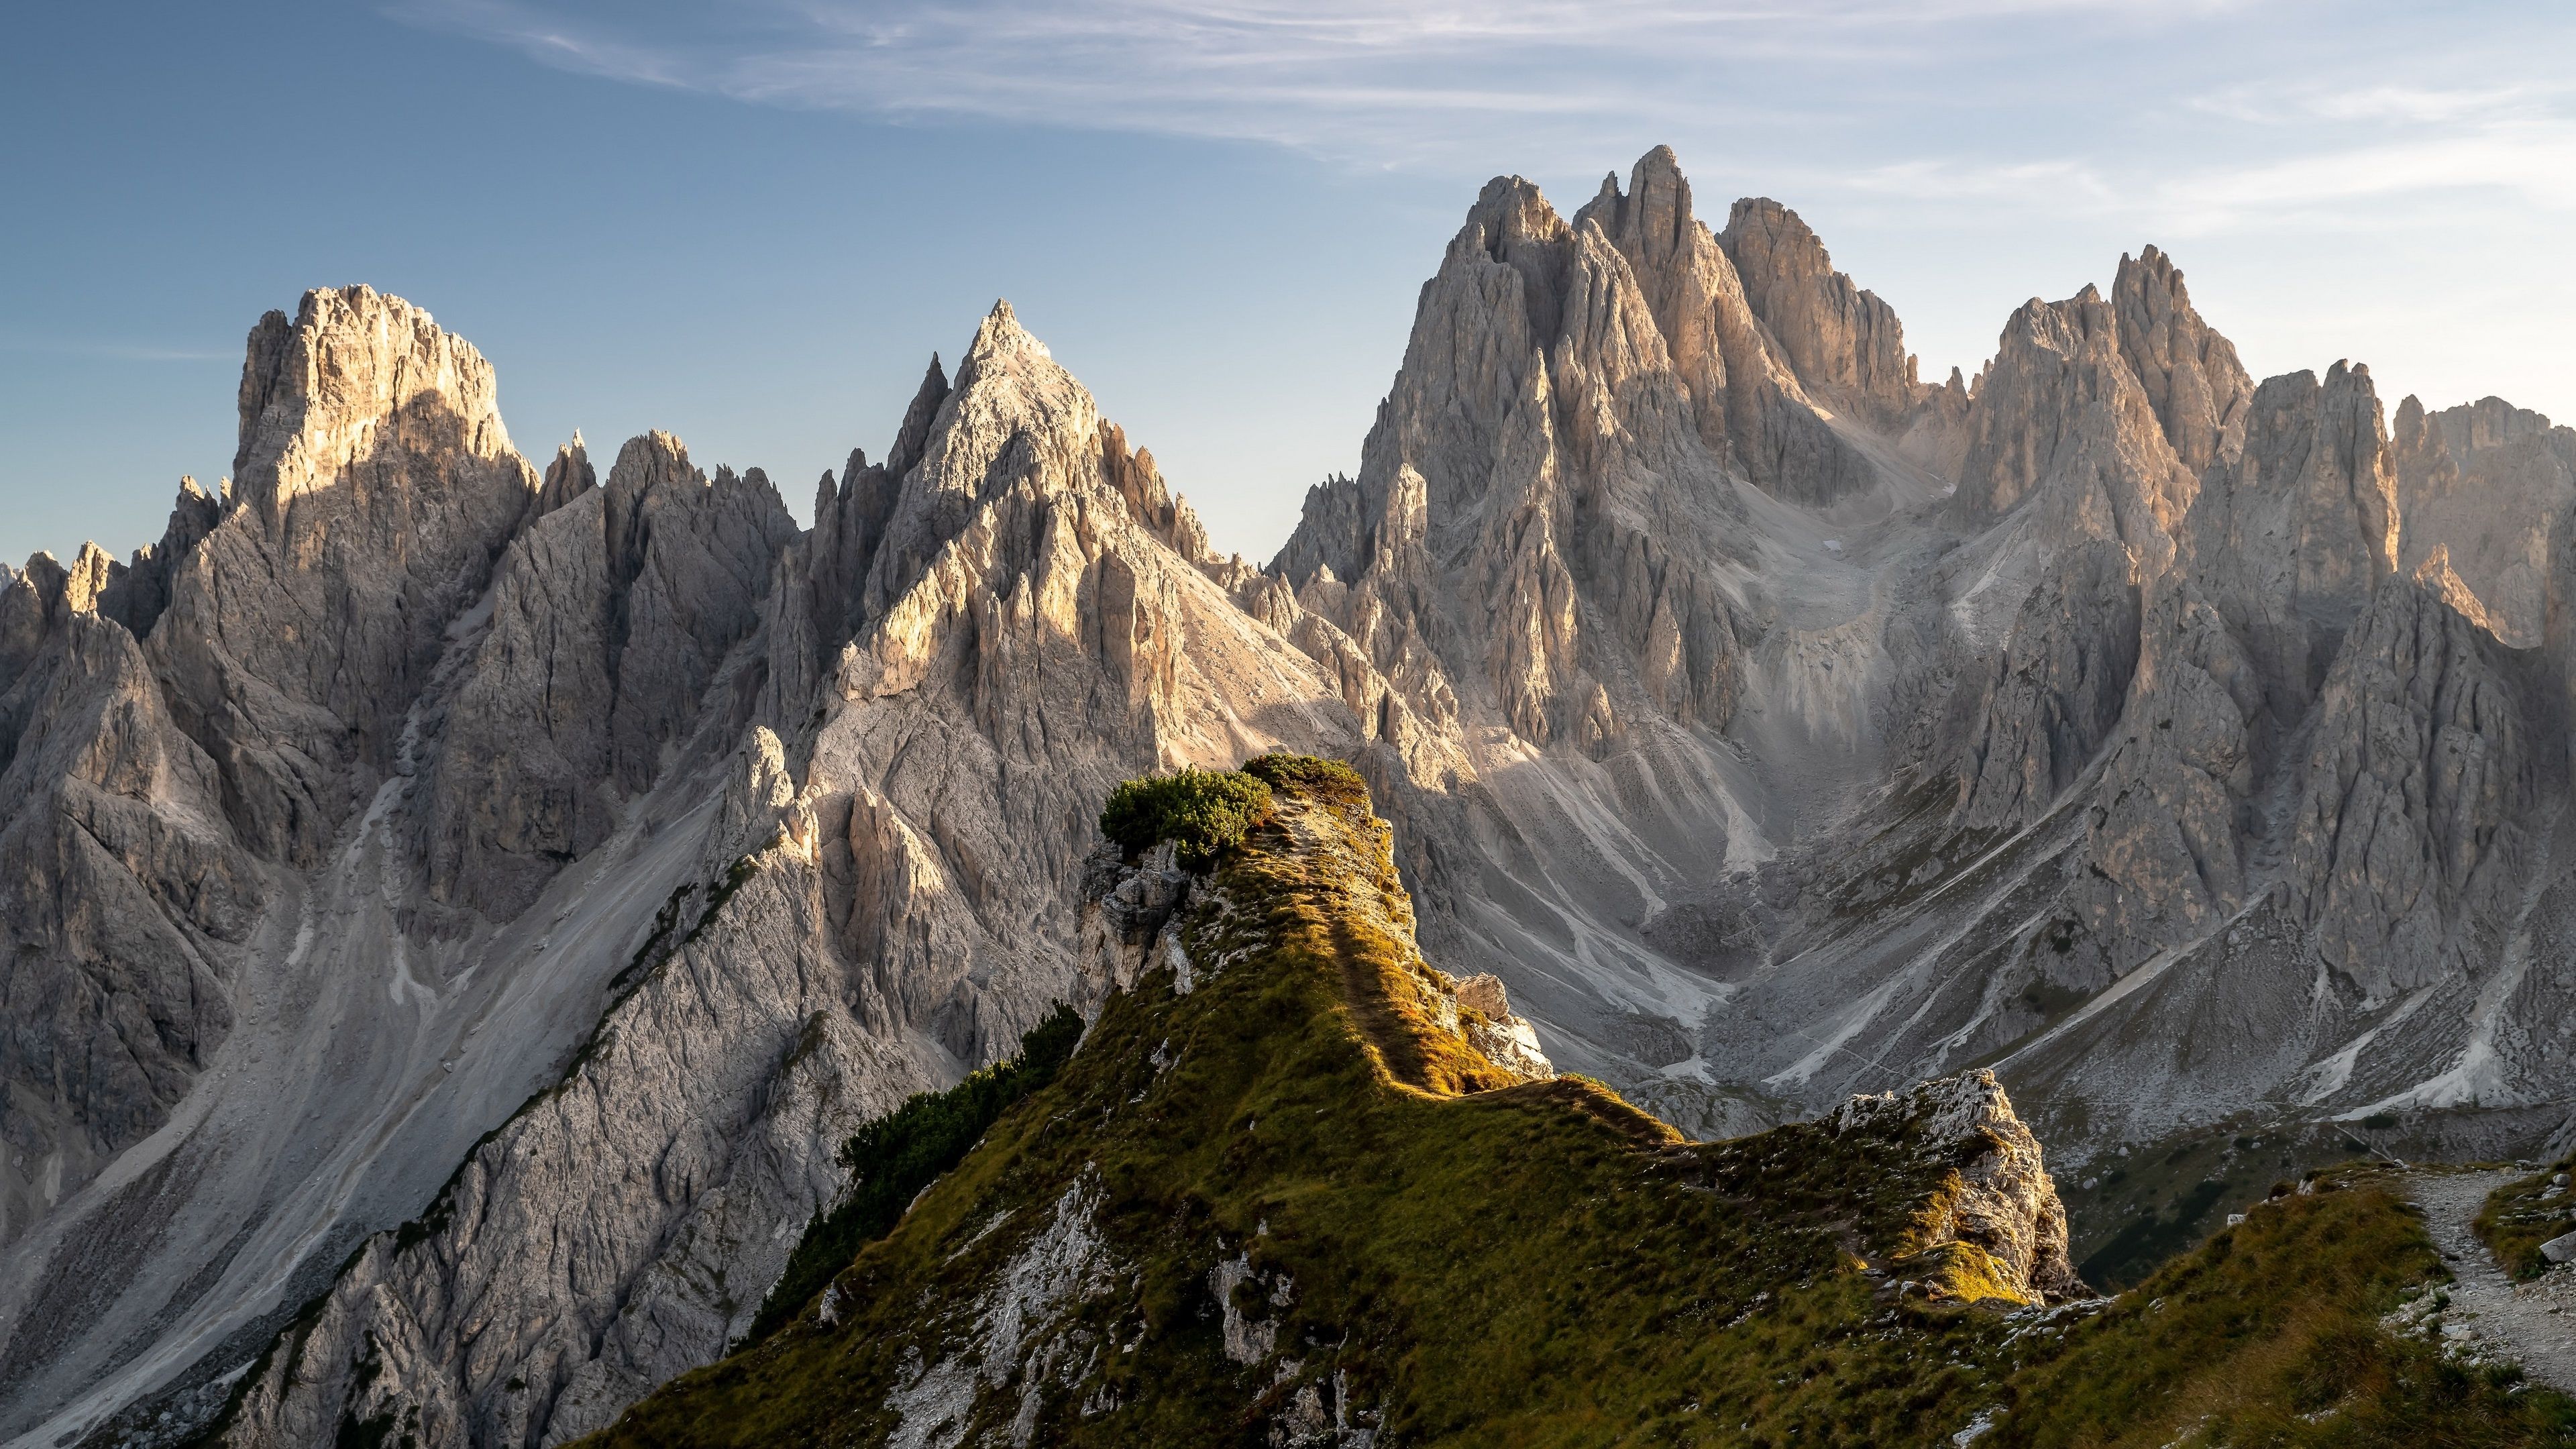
{"x": 2534, "y": 1323}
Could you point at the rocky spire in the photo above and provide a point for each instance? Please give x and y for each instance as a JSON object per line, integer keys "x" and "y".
{"x": 2061, "y": 417}
{"x": 568, "y": 477}
{"x": 2291, "y": 541}
{"x": 138, "y": 599}
{"x": 2485, "y": 483}
{"x": 375, "y": 487}
{"x": 1844, "y": 343}
{"x": 2192, "y": 379}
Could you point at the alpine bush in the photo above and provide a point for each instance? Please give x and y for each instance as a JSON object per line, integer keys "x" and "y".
{"x": 1307, "y": 775}
{"x": 1204, "y": 813}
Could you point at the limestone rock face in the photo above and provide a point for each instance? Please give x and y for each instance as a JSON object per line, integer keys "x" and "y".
{"x": 2007, "y": 1204}
{"x": 2058, "y": 689}
{"x": 2410, "y": 846}
{"x": 564, "y": 866}
{"x": 610, "y": 619}
{"x": 2292, "y": 540}
{"x": 1845, "y": 342}
{"x": 2484, "y": 482}
{"x": 374, "y": 490}
{"x": 2163, "y": 848}
{"x": 125, "y": 899}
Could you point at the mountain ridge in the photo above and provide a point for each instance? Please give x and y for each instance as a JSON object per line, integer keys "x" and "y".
{"x": 1774, "y": 725}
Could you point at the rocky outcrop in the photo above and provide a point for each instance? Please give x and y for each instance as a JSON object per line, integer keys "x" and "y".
{"x": 2411, "y": 846}
{"x": 2483, "y": 483}
{"x": 1843, "y": 342}
{"x": 124, "y": 897}
{"x": 374, "y": 489}
{"x": 2006, "y": 1204}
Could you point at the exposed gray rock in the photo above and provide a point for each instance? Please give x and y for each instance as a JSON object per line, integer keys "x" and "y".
{"x": 1776, "y": 725}
{"x": 124, "y": 898}
{"x": 2410, "y": 849}
{"x": 2483, "y": 482}
{"x": 2006, "y": 1204}
{"x": 1842, "y": 341}
{"x": 2061, "y": 419}
{"x": 2057, "y": 691}
{"x": 375, "y": 488}
{"x": 2291, "y": 541}
{"x": 2190, "y": 374}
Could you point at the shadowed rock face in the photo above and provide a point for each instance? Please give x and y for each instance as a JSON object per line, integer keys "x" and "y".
{"x": 1774, "y": 726}
{"x": 373, "y": 491}
{"x": 2484, "y": 483}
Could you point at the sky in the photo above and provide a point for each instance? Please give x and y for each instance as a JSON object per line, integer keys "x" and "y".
{"x": 751, "y": 222}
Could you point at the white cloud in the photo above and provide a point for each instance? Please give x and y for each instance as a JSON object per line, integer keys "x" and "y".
{"x": 2195, "y": 117}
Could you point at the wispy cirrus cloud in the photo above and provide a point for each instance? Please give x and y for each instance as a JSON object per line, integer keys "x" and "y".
{"x": 1365, "y": 81}
{"x": 2100, "y": 107}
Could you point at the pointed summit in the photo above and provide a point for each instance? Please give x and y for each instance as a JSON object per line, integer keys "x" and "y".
{"x": 1000, "y": 336}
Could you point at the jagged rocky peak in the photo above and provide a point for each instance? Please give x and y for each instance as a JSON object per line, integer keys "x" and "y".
{"x": 2106, "y": 410}
{"x": 125, "y": 903}
{"x": 2485, "y": 483}
{"x": 612, "y": 615}
{"x": 2292, "y": 538}
{"x": 568, "y": 477}
{"x": 1014, "y": 425}
{"x": 2061, "y": 421}
{"x": 2199, "y": 391}
{"x": 137, "y": 599}
{"x": 358, "y": 375}
{"x": 1843, "y": 342}
{"x": 374, "y": 489}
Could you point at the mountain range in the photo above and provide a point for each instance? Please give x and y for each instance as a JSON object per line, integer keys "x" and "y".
{"x": 457, "y": 909}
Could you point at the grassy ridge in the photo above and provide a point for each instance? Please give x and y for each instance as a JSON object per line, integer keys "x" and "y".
{"x": 1416, "y": 1241}
{"x": 2269, "y": 1334}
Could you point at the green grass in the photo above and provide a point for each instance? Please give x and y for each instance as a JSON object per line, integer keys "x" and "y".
{"x": 2269, "y": 1334}
{"x": 1461, "y": 1257}
{"x": 2519, "y": 1217}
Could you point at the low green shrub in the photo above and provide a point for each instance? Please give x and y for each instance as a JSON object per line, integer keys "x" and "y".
{"x": 1306, "y": 774}
{"x": 1204, "y": 813}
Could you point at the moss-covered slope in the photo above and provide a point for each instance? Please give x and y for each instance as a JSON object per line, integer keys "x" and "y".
{"x": 1279, "y": 1196}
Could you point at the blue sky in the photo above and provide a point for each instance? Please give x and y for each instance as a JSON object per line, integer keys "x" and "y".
{"x": 751, "y": 222}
